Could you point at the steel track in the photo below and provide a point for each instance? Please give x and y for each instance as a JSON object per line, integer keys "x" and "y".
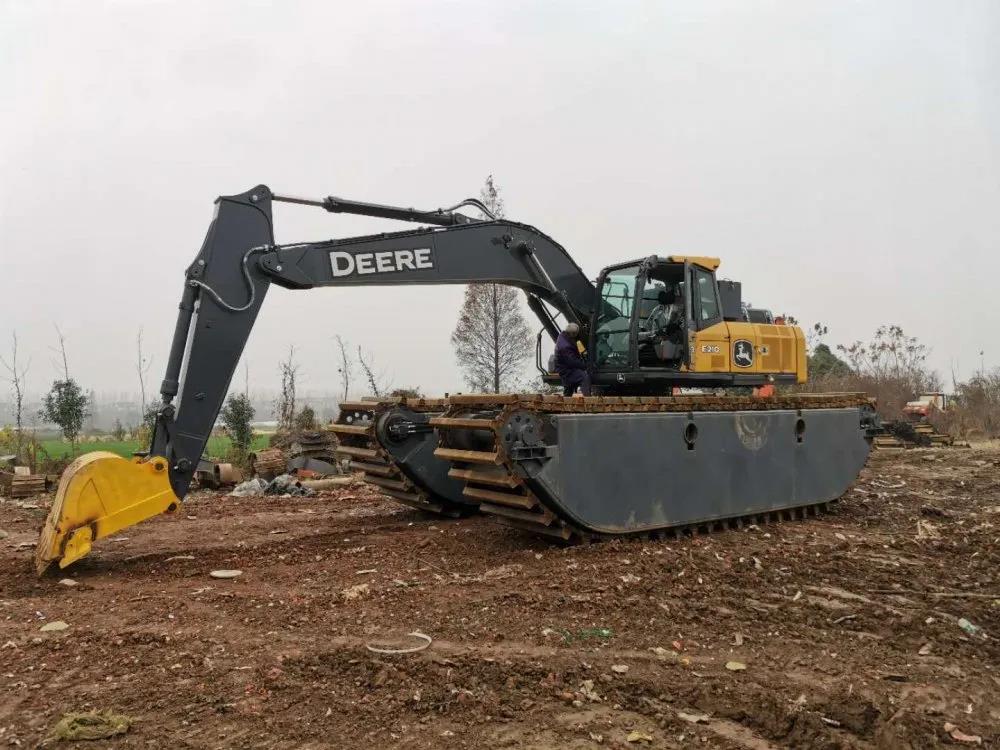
{"x": 355, "y": 429}
{"x": 492, "y": 478}
{"x": 488, "y": 470}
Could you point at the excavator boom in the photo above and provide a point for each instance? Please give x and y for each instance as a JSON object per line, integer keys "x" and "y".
{"x": 224, "y": 288}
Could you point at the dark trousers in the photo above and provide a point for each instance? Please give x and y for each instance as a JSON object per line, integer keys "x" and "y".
{"x": 575, "y": 379}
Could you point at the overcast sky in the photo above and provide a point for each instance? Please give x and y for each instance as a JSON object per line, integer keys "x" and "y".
{"x": 842, "y": 158}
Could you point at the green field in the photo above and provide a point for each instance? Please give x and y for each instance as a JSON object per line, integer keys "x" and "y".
{"x": 217, "y": 446}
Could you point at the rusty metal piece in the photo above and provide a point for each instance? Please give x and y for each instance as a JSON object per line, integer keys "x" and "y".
{"x": 227, "y": 474}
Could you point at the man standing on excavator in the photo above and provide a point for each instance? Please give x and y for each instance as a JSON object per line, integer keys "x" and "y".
{"x": 572, "y": 368}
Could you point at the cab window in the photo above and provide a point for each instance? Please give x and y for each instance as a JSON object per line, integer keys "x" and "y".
{"x": 706, "y": 300}
{"x": 614, "y": 320}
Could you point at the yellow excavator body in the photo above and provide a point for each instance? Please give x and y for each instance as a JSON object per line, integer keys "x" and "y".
{"x": 750, "y": 348}
{"x": 99, "y": 494}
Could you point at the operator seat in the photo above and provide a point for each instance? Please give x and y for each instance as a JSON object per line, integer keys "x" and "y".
{"x": 662, "y": 321}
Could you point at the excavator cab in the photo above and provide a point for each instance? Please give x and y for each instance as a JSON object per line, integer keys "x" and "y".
{"x": 667, "y": 321}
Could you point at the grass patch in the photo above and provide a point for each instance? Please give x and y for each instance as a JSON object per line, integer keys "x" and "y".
{"x": 90, "y": 726}
{"x": 218, "y": 446}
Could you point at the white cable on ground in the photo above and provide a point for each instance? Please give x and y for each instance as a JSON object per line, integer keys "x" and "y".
{"x": 414, "y": 649}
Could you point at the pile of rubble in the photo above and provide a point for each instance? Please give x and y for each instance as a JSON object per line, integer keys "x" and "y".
{"x": 310, "y": 454}
{"x": 284, "y": 484}
{"x": 18, "y": 481}
{"x": 902, "y": 433}
{"x": 297, "y": 465}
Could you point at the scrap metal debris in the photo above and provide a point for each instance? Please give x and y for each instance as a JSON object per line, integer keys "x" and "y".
{"x": 284, "y": 484}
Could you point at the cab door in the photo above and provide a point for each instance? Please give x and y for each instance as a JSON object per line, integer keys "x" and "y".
{"x": 612, "y": 338}
{"x": 710, "y": 340}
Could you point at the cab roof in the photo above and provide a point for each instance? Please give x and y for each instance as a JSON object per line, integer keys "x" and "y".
{"x": 704, "y": 261}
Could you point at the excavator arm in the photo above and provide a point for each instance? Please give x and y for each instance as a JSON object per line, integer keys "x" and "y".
{"x": 224, "y": 288}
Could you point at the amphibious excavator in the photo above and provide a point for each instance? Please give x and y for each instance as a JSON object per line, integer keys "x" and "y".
{"x": 636, "y": 459}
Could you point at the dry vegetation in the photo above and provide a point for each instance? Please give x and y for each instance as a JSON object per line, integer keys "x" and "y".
{"x": 893, "y": 368}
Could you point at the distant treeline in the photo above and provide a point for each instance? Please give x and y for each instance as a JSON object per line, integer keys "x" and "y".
{"x": 105, "y": 412}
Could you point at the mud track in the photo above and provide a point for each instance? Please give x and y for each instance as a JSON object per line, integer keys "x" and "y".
{"x": 847, "y": 625}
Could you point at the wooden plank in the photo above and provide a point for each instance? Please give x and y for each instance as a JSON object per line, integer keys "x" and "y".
{"x": 471, "y": 457}
{"x": 23, "y": 485}
{"x": 350, "y": 429}
{"x": 390, "y": 484}
{"x": 381, "y": 469}
{"x": 461, "y": 423}
{"x": 504, "y": 498}
{"x": 349, "y": 450}
{"x": 484, "y": 398}
{"x": 363, "y": 406}
{"x": 537, "y": 521}
{"x": 481, "y": 477}
{"x": 414, "y": 500}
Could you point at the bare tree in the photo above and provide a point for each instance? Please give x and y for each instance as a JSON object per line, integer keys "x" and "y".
{"x": 17, "y": 375}
{"x": 892, "y": 355}
{"x": 491, "y": 338}
{"x": 285, "y": 405}
{"x": 246, "y": 379}
{"x": 815, "y": 335}
{"x": 490, "y": 196}
{"x": 378, "y": 382}
{"x": 346, "y": 369}
{"x": 142, "y": 366}
{"x": 62, "y": 351}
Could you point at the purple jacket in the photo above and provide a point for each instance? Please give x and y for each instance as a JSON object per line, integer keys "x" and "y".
{"x": 568, "y": 357}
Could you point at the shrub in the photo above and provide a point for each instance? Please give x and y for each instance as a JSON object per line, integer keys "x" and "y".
{"x": 305, "y": 420}
{"x": 237, "y": 417}
{"x": 67, "y": 406}
{"x": 975, "y": 408}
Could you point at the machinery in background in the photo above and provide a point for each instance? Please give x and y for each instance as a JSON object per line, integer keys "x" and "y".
{"x": 925, "y": 405}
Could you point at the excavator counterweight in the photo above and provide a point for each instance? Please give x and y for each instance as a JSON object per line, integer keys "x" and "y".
{"x": 634, "y": 459}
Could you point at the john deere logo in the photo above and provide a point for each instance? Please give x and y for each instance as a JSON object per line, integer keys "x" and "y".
{"x": 742, "y": 353}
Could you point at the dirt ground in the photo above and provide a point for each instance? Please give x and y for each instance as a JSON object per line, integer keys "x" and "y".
{"x": 837, "y": 632}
